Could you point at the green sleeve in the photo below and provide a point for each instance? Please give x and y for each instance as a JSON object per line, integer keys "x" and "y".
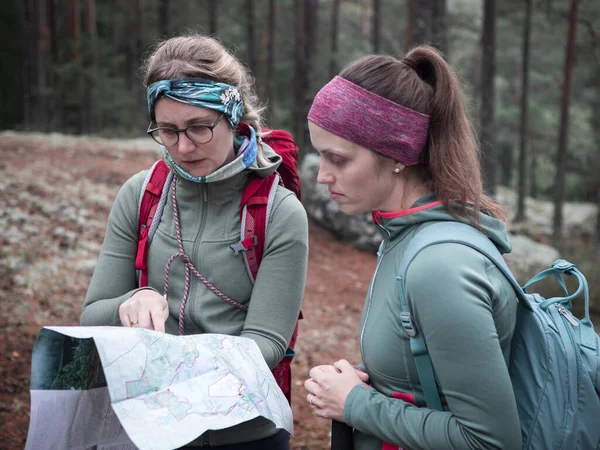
{"x": 114, "y": 278}
{"x": 451, "y": 297}
{"x": 279, "y": 287}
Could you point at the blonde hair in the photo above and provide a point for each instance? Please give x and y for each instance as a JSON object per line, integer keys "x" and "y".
{"x": 201, "y": 56}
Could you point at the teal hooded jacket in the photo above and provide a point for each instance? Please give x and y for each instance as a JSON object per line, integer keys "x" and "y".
{"x": 466, "y": 310}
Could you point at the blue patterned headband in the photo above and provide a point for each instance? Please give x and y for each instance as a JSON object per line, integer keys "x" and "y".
{"x": 220, "y": 97}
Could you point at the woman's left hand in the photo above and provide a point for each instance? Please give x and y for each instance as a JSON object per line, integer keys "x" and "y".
{"x": 328, "y": 387}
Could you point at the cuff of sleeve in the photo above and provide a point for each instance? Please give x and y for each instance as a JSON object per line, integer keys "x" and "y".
{"x": 360, "y": 390}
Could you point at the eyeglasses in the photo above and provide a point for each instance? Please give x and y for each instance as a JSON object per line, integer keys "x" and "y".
{"x": 199, "y": 134}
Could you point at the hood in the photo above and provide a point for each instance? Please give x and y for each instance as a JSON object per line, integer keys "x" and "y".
{"x": 428, "y": 209}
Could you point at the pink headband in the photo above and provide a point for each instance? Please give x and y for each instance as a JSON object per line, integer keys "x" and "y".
{"x": 367, "y": 119}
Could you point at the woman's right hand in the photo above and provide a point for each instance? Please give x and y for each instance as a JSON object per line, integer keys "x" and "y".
{"x": 145, "y": 309}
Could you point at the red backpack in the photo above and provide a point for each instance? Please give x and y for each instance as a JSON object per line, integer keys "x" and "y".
{"x": 254, "y": 214}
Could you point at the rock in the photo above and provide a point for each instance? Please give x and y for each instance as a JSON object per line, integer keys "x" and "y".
{"x": 358, "y": 230}
{"x": 529, "y": 257}
{"x": 579, "y": 219}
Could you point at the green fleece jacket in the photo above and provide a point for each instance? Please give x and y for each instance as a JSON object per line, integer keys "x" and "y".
{"x": 210, "y": 224}
{"x": 466, "y": 310}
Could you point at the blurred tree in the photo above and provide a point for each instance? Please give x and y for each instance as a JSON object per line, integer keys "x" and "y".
{"x": 561, "y": 156}
{"x": 520, "y": 216}
{"x": 163, "y": 17}
{"x": 488, "y": 75}
{"x": 426, "y": 23}
{"x": 375, "y": 28}
{"x": 306, "y": 30}
{"x": 439, "y": 24}
{"x": 213, "y": 17}
{"x": 251, "y": 36}
{"x": 335, "y": 21}
{"x": 90, "y": 75}
{"x": 270, "y": 77}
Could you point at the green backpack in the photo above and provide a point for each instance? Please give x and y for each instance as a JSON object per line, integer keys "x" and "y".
{"x": 555, "y": 360}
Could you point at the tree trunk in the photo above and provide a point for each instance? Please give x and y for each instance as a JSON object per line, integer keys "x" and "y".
{"x": 375, "y": 29}
{"x": 41, "y": 116}
{"x": 561, "y": 156}
{"x": 409, "y": 27}
{"x": 270, "y": 79}
{"x": 533, "y": 192}
{"x": 439, "y": 24}
{"x": 163, "y": 18}
{"x": 91, "y": 31}
{"x": 300, "y": 70}
{"x": 364, "y": 22}
{"x": 488, "y": 75}
{"x": 310, "y": 49}
{"x": 251, "y": 38}
{"x": 335, "y": 22}
{"x": 524, "y": 117}
{"x": 422, "y": 25}
{"x": 28, "y": 63}
{"x": 213, "y": 17}
{"x": 74, "y": 20}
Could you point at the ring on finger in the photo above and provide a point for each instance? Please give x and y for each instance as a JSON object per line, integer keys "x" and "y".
{"x": 311, "y": 398}
{"x": 133, "y": 323}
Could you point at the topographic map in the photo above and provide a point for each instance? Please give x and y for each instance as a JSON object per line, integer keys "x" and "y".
{"x": 165, "y": 390}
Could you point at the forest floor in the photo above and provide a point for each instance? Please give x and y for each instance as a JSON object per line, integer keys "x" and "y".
{"x": 55, "y": 195}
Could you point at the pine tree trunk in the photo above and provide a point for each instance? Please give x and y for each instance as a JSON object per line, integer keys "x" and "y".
{"x": 163, "y": 18}
{"x": 375, "y": 28}
{"x": 300, "y": 70}
{"x": 521, "y": 213}
{"x": 561, "y": 156}
{"x": 411, "y": 12}
{"x": 270, "y": 79}
{"x": 310, "y": 49}
{"x": 439, "y": 25}
{"x": 364, "y": 22}
{"x": 488, "y": 75}
{"x": 251, "y": 37}
{"x": 335, "y": 23}
{"x": 90, "y": 97}
{"x": 213, "y": 17}
{"x": 422, "y": 24}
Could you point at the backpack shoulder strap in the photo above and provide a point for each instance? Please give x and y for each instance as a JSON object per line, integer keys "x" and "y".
{"x": 152, "y": 200}
{"x": 439, "y": 233}
{"x": 255, "y": 211}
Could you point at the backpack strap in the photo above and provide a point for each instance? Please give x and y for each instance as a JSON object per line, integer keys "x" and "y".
{"x": 255, "y": 211}
{"x": 152, "y": 201}
{"x": 441, "y": 233}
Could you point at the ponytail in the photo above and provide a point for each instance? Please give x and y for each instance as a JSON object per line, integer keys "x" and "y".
{"x": 423, "y": 81}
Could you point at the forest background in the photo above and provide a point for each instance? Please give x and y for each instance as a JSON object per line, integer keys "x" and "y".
{"x": 529, "y": 68}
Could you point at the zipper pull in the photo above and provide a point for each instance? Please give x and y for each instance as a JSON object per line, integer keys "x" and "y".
{"x": 567, "y": 315}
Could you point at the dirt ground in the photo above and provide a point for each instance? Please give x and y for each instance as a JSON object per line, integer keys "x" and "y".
{"x": 55, "y": 195}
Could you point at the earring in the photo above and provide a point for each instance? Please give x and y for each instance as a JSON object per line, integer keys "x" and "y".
{"x": 397, "y": 170}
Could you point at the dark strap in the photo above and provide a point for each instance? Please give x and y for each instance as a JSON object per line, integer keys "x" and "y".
{"x": 148, "y": 205}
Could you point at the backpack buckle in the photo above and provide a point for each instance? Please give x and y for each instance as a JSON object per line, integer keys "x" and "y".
{"x": 562, "y": 265}
{"x": 244, "y": 245}
{"x": 407, "y": 324}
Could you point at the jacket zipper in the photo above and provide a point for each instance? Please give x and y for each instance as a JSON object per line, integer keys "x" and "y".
{"x": 198, "y": 239}
{"x": 370, "y": 296}
{"x": 569, "y": 319}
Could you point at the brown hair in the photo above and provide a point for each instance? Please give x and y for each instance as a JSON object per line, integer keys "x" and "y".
{"x": 423, "y": 81}
{"x": 202, "y": 56}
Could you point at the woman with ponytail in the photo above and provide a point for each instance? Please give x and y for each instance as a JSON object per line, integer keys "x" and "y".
{"x": 394, "y": 139}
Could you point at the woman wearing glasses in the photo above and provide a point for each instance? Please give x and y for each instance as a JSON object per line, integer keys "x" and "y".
{"x": 199, "y": 98}
{"x": 394, "y": 139}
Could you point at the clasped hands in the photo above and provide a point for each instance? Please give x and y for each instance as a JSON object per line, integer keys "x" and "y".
{"x": 329, "y": 386}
